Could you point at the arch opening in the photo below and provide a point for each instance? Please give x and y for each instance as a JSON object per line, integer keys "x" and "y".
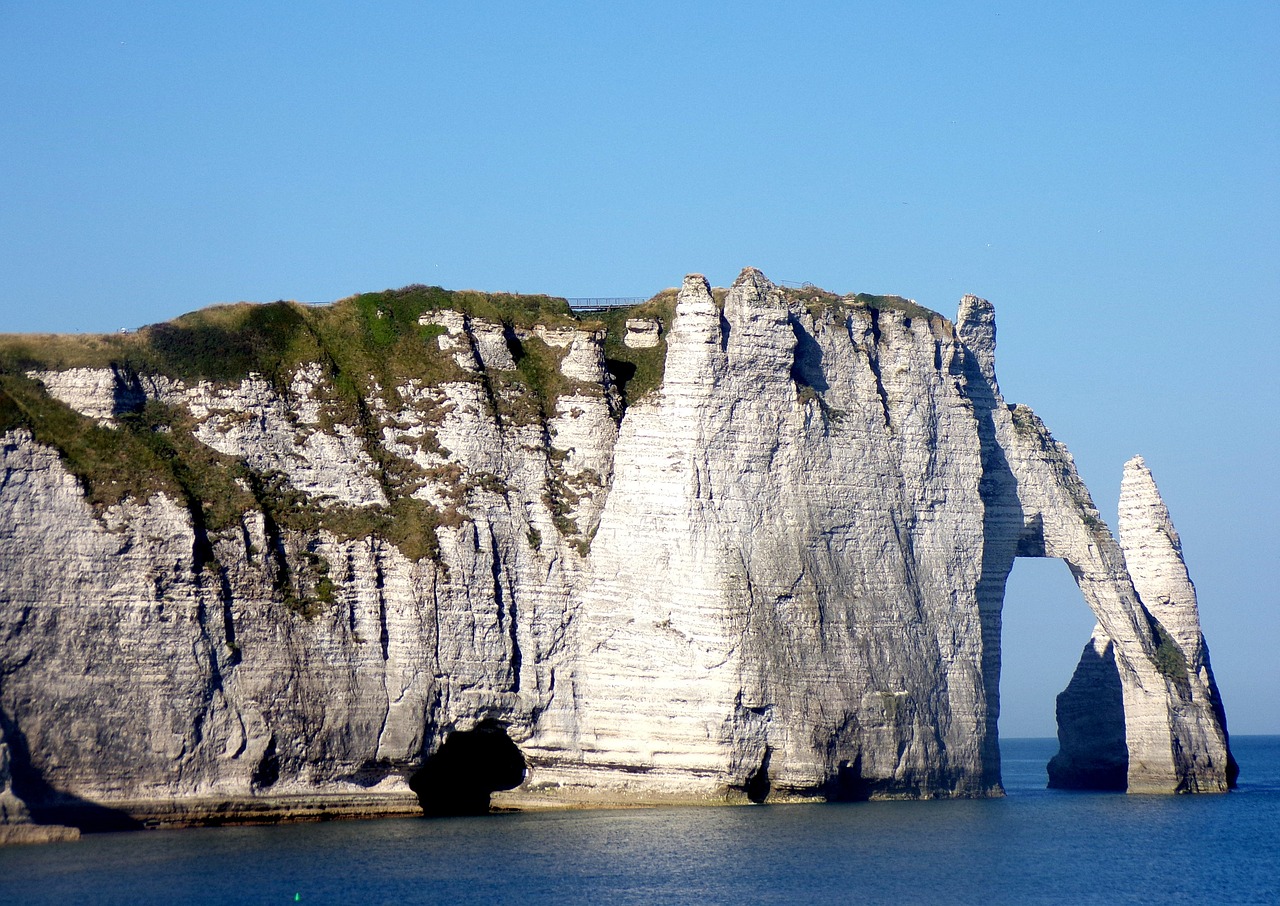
{"x": 469, "y": 767}
{"x": 1047, "y": 688}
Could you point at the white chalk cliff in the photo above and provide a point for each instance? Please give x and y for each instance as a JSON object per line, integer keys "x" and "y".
{"x": 777, "y": 575}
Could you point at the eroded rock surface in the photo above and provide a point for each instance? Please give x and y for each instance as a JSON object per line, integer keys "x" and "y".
{"x": 778, "y": 575}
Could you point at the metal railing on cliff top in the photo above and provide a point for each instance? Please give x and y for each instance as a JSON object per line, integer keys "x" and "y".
{"x": 597, "y": 304}
{"x": 600, "y": 303}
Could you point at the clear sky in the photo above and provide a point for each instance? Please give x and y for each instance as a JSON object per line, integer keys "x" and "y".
{"x": 1107, "y": 174}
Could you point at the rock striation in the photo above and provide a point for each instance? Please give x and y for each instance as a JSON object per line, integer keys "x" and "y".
{"x": 777, "y": 574}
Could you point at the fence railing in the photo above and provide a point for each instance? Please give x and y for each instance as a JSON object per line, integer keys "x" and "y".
{"x": 586, "y": 304}
{"x": 595, "y": 304}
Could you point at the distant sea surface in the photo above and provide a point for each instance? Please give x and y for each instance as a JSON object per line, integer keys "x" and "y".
{"x": 1034, "y": 846}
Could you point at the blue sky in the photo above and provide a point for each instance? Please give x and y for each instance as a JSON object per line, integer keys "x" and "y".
{"x": 1106, "y": 174}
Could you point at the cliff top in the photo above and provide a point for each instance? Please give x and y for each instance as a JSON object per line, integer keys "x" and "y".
{"x": 224, "y": 342}
{"x": 372, "y": 337}
{"x": 365, "y": 349}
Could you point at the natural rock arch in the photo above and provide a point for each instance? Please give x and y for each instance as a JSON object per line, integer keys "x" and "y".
{"x": 1043, "y": 621}
{"x": 1148, "y": 634}
{"x": 783, "y": 575}
{"x": 1142, "y": 696}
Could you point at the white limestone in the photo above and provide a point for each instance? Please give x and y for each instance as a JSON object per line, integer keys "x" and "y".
{"x": 1190, "y": 710}
{"x": 1153, "y": 552}
{"x": 103, "y": 393}
{"x": 476, "y": 344}
{"x": 780, "y": 572}
{"x": 275, "y": 433}
{"x": 642, "y": 333}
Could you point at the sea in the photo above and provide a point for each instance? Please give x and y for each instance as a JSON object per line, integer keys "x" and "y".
{"x": 1033, "y": 846}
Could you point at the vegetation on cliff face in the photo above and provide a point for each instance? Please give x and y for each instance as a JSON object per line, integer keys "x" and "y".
{"x": 819, "y": 303}
{"x": 637, "y": 371}
{"x": 1169, "y": 657}
{"x": 111, "y": 463}
{"x": 372, "y": 334}
{"x": 374, "y": 338}
{"x": 367, "y": 346}
{"x": 894, "y": 303}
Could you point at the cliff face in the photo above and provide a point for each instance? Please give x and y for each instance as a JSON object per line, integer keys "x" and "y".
{"x": 776, "y": 573}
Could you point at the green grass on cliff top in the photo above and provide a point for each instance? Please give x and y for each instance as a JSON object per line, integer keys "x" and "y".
{"x": 637, "y": 371}
{"x": 372, "y": 338}
{"x": 371, "y": 335}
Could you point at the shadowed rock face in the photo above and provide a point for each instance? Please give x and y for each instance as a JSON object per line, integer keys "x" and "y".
{"x": 1093, "y": 754}
{"x": 778, "y": 575}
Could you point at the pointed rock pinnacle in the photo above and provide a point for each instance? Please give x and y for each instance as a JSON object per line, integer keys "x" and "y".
{"x": 1153, "y": 554}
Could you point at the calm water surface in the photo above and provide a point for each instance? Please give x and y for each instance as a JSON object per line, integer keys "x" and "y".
{"x": 1036, "y": 845}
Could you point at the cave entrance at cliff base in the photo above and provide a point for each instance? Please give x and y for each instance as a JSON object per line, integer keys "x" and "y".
{"x": 1045, "y": 622}
{"x": 471, "y": 765}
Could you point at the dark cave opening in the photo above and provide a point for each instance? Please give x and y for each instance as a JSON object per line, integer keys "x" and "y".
{"x": 267, "y": 771}
{"x": 758, "y": 784}
{"x": 848, "y": 784}
{"x": 471, "y": 765}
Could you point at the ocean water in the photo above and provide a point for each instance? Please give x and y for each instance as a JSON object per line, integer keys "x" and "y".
{"x": 1033, "y": 846}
